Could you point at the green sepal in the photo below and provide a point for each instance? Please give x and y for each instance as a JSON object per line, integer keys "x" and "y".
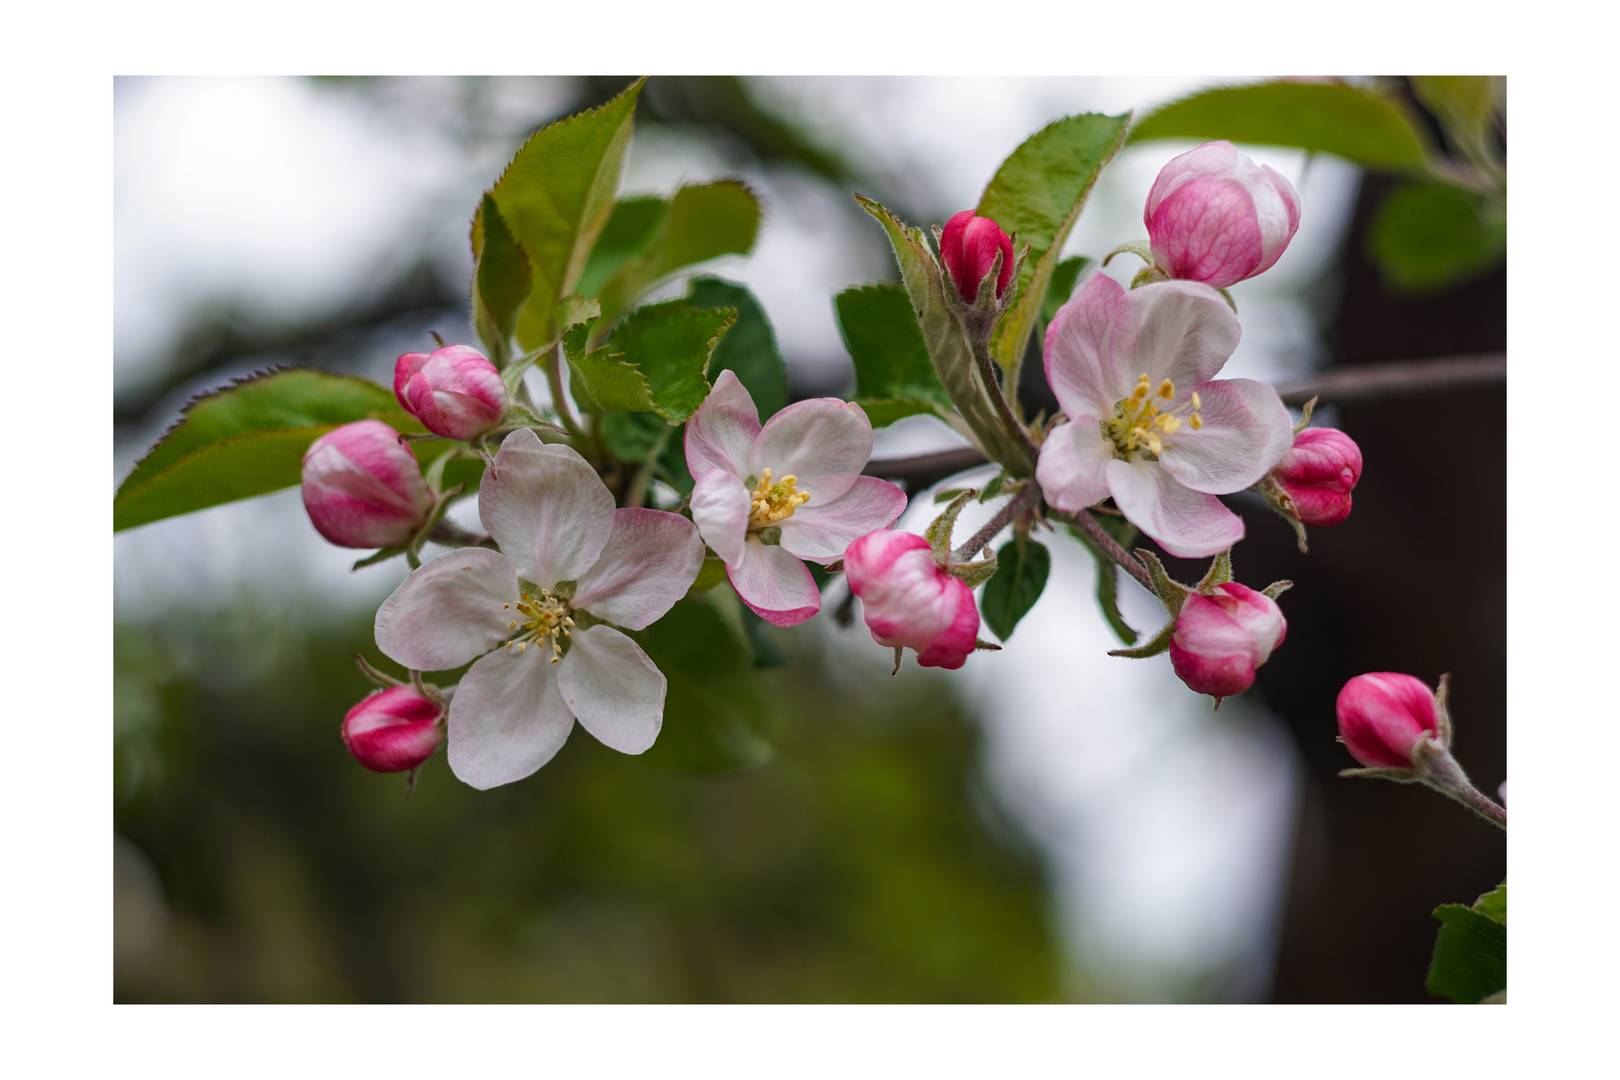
{"x": 947, "y": 495}
{"x": 1143, "y": 249}
{"x": 1171, "y": 593}
{"x": 981, "y": 645}
{"x": 1155, "y": 645}
{"x": 1305, "y": 411}
{"x": 1150, "y": 275}
{"x": 974, "y": 574}
{"x": 1276, "y": 589}
{"x": 380, "y": 556}
{"x": 993, "y": 488}
{"x": 1227, "y": 296}
{"x": 1219, "y": 572}
{"x": 938, "y": 533}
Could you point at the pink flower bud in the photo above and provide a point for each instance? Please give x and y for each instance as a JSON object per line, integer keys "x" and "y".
{"x": 968, "y": 247}
{"x": 362, "y": 487}
{"x": 1318, "y": 473}
{"x": 1382, "y": 717}
{"x": 454, "y": 391}
{"x": 1222, "y": 637}
{"x": 394, "y": 729}
{"x": 908, "y": 600}
{"x": 1215, "y": 216}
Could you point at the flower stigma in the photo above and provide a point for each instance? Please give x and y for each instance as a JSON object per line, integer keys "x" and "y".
{"x": 772, "y": 503}
{"x": 1138, "y": 420}
{"x": 540, "y": 618}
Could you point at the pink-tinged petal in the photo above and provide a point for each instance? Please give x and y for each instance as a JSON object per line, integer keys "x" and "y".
{"x": 650, "y": 560}
{"x": 951, "y": 647}
{"x": 1382, "y": 715}
{"x": 1185, "y": 333}
{"x": 1089, "y": 349}
{"x": 1277, "y": 209}
{"x": 1257, "y": 615}
{"x": 905, "y": 596}
{"x": 362, "y": 487}
{"x": 1222, "y": 637}
{"x": 449, "y": 610}
{"x": 1246, "y": 429}
{"x": 1218, "y": 158}
{"x": 720, "y": 510}
{"x": 507, "y": 718}
{"x": 405, "y": 367}
{"x": 721, "y": 434}
{"x": 1186, "y": 523}
{"x": 1073, "y": 467}
{"x": 1319, "y": 472}
{"x": 824, "y": 442}
{"x": 821, "y": 531}
{"x": 774, "y": 584}
{"x": 546, "y": 508}
{"x": 1208, "y": 231}
{"x": 868, "y": 561}
{"x": 614, "y": 688}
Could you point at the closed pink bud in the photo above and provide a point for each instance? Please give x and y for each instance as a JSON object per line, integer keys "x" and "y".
{"x": 1383, "y": 716}
{"x": 454, "y": 391}
{"x": 968, "y": 246}
{"x": 1215, "y": 216}
{"x": 909, "y": 601}
{"x": 394, "y": 729}
{"x": 1220, "y": 638}
{"x": 1319, "y": 472}
{"x": 362, "y": 487}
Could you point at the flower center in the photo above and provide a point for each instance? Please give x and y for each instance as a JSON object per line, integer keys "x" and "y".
{"x": 1141, "y": 421}
{"x": 773, "y": 503}
{"x": 540, "y": 619}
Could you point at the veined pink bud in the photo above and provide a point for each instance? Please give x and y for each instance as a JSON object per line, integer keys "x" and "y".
{"x": 1383, "y": 715}
{"x": 1222, "y": 637}
{"x": 909, "y": 601}
{"x": 394, "y": 729}
{"x": 1215, "y": 216}
{"x": 1319, "y": 472}
{"x": 968, "y": 247}
{"x": 362, "y": 487}
{"x": 454, "y": 391}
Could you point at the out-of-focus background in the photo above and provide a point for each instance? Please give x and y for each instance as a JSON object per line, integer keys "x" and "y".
{"x": 1047, "y": 824}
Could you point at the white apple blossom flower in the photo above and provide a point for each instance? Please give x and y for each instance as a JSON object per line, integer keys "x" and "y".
{"x": 570, "y": 562}
{"x": 767, "y": 497}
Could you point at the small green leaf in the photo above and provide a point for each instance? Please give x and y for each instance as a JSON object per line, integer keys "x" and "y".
{"x": 1493, "y": 905}
{"x": 1024, "y": 566}
{"x": 631, "y": 436}
{"x": 602, "y": 382}
{"x": 749, "y": 347}
{"x": 891, "y": 358}
{"x": 1470, "y": 953}
{"x": 1327, "y": 118}
{"x": 629, "y": 232}
{"x": 715, "y": 709}
{"x": 938, "y": 533}
{"x": 247, "y": 439}
{"x": 671, "y": 344}
{"x": 1061, "y": 287}
{"x": 1108, "y": 573}
{"x": 501, "y": 283}
{"x": 1431, "y": 235}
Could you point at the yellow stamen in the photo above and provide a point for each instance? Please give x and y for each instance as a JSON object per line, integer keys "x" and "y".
{"x": 1140, "y": 423}
{"x": 1196, "y": 421}
{"x": 544, "y": 620}
{"x": 1167, "y": 389}
{"x": 772, "y": 503}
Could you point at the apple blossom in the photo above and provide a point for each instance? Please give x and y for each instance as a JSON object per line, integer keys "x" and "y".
{"x": 1318, "y": 473}
{"x": 454, "y": 391}
{"x": 1147, "y": 425}
{"x": 1215, "y": 216}
{"x": 362, "y": 486}
{"x": 570, "y": 563}
{"x": 1383, "y": 716}
{"x": 968, "y": 247}
{"x": 1222, "y": 636}
{"x": 752, "y": 500}
{"x": 909, "y": 600}
{"x": 394, "y": 729}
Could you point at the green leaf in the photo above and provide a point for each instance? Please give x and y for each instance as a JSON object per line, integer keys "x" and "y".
{"x": 716, "y": 707}
{"x": 1470, "y": 953}
{"x": 602, "y": 382}
{"x": 894, "y": 376}
{"x": 1038, "y": 193}
{"x": 749, "y": 347}
{"x": 1024, "y": 566}
{"x": 629, "y": 232}
{"x": 501, "y": 283}
{"x": 1327, "y": 118}
{"x": 701, "y": 222}
{"x": 1431, "y": 235}
{"x": 247, "y": 439}
{"x": 555, "y": 197}
{"x": 1463, "y": 103}
{"x": 1061, "y": 285}
{"x": 671, "y": 343}
{"x": 1108, "y": 575}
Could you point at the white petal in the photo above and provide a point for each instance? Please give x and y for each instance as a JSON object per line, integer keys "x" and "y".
{"x": 720, "y": 510}
{"x": 1246, "y": 429}
{"x": 449, "y": 610}
{"x": 1184, "y": 332}
{"x": 1073, "y": 467}
{"x": 777, "y": 586}
{"x": 650, "y": 560}
{"x": 824, "y": 442}
{"x": 546, "y": 507}
{"x": 507, "y": 718}
{"x": 1089, "y": 347}
{"x": 1186, "y": 523}
{"x": 614, "y": 688}
{"x": 822, "y": 531}
{"x": 721, "y": 433}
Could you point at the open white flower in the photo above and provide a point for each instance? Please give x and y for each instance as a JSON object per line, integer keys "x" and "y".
{"x": 571, "y": 562}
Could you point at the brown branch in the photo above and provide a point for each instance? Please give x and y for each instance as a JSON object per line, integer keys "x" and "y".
{"x": 1109, "y": 546}
{"x": 1019, "y": 503}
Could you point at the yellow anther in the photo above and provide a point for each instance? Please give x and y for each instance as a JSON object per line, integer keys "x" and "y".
{"x": 774, "y": 502}
{"x": 1167, "y": 389}
{"x": 1168, "y": 425}
{"x": 1196, "y": 421}
{"x": 1197, "y": 404}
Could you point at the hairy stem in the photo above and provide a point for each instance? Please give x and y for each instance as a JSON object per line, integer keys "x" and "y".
{"x": 987, "y": 372}
{"x": 1110, "y": 547}
{"x": 1446, "y": 776}
{"x": 1026, "y": 498}
{"x": 559, "y": 400}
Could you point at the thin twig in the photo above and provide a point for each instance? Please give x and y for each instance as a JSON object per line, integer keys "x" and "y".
{"x": 1109, "y": 546}
{"x": 987, "y": 372}
{"x": 1009, "y": 511}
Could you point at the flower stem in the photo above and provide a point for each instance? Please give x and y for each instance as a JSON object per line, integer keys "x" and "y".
{"x": 987, "y": 372}
{"x": 1110, "y": 547}
{"x": 559, "y": 399}
{"x": 1444, "y": 775}
{"x": 1014, "y": 506}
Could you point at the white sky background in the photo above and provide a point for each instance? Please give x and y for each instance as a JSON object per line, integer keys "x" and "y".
{"x": 1168, "y": 828}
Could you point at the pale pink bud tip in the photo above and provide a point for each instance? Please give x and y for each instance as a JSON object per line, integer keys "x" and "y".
{"x": 394, "y": 729}
{"x": 362, "y": 487}
{"x": 1221, "y": 638}
{"x": 968, "y": 246}
{"x": 1319, "y": 472}
{"x": 1215, "y": 216}
{"x": 1382, "y": 717}
{"x": 909, "y": 601}
{"x": 454, "y": 391}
